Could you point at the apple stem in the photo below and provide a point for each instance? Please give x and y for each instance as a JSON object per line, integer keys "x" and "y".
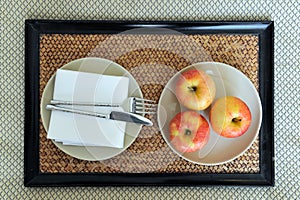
{"x": 193, "y": 88}
{"x": 187, "y": 132}
{"x": 236, "y": 119}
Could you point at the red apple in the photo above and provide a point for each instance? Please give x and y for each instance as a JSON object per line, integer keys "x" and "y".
{"x": 189, "y": 131}
{"x": 195, "y": 89}
{"x": 230, "y": 117}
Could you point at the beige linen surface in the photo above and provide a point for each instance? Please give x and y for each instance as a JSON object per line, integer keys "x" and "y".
{"x": 285, "y": 14}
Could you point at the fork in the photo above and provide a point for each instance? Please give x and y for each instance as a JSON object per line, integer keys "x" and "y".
{"x": 135, "y": 105}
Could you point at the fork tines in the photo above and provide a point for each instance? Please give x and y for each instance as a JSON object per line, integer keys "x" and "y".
{"x": 144, "y": 106}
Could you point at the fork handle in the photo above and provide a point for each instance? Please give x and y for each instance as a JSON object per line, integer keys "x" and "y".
{"x": 76, "y": 103}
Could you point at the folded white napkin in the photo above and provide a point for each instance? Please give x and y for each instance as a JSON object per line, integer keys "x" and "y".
{"x": 81, "y": 130}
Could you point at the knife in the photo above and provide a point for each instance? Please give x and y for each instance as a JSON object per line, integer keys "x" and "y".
{"x": 113, "y": 115}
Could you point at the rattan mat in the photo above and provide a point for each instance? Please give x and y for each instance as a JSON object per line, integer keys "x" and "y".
{"x": 152, "y": 60}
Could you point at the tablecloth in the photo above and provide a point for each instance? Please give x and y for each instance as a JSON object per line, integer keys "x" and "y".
{"x": 285, "y": 14}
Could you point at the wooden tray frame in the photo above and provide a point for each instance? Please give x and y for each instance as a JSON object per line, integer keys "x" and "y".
{"x": 32, "y": 174}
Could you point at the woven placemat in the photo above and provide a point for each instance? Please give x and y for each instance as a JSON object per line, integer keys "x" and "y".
{"x": 152, "y": 60}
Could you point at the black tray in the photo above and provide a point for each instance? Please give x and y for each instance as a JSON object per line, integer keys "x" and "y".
{"x": 33, "y": 175}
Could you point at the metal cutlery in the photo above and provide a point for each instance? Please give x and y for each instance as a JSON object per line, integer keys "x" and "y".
{"x": 113, "y": 115}
{"x": 135, "y": 105}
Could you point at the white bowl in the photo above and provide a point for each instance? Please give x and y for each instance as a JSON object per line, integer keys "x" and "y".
{"x": 229, "y": 82}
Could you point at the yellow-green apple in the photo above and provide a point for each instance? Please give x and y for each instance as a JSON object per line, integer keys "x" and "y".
{"x": 230, "y": 117}
{"x": 195, "y": 89}
{"x": 189, "y": 131}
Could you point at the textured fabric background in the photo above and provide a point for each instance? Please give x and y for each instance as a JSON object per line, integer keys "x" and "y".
{"x": 285, "y": 14}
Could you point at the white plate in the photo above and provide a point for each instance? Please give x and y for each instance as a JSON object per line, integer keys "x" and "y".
{"x": 99, "y": 66}
{"x": 229, "y": 82}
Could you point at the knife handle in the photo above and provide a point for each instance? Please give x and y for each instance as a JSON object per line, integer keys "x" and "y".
{"x": 76, "y": 111}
